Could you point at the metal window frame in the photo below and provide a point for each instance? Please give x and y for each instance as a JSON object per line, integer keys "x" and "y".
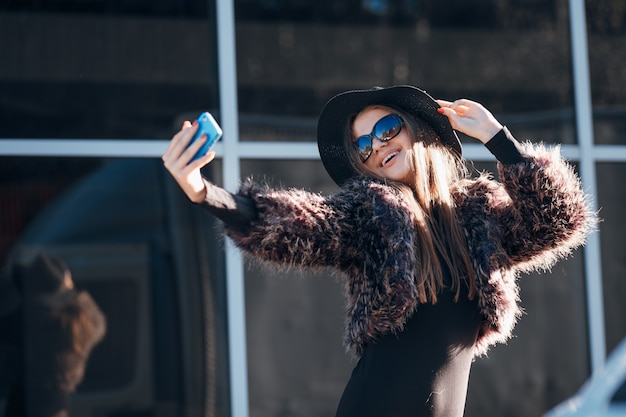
{"x": 584, "y": 129}
{"x": 232, "y": 151}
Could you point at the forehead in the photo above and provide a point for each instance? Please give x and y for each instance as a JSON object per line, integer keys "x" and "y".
{"x": 367, "y": 118}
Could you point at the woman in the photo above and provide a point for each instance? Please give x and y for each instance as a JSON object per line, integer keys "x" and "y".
{"x": 429, "y": 256}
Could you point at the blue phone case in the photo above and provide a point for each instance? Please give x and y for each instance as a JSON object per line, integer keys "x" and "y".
{"x": 208, "y": 126}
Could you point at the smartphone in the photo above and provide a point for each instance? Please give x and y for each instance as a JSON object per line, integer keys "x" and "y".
{"x": 209, "y": 127}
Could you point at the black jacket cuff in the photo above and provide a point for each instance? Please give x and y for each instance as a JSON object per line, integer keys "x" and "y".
{"x": 506, "y": 148}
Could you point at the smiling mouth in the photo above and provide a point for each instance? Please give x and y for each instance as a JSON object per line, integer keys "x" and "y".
{"x": 388, "y": 158}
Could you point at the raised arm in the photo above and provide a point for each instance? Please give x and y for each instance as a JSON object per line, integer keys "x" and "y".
{"x": 285, "y": 227}
{"x": 539, "y": 212}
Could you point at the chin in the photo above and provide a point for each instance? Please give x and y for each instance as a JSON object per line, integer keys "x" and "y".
{"x": 398, "y": 176}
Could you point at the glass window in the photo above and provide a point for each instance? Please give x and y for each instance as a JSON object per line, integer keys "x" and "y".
{"x": 130, "y": 291}
{"x": 138, "y": 301}
{"x": 612, "y": 229}
{"x": 297, "y": 362}
{"x": 513, "y": 57}
{"x": 606, "y": 27}
{"x": 104, "y": 69}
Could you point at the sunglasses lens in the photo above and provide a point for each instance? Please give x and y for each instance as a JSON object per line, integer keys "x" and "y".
{"x": 388, "y": 127}
{"x": 363, "y": 145}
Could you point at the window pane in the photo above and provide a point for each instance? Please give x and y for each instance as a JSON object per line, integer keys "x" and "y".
{"x": 612, "y": 229}
{"x": 133, "y": 244}
{"x": 606, "y": 23}
{"x": 80, "y": 69}
{"x": 297, "y": 362}
{"x": 514, "y": 57}
{"x": 140, "y": 260}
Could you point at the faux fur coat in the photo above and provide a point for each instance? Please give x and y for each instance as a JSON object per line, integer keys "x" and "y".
{"x": 536, "y": 215}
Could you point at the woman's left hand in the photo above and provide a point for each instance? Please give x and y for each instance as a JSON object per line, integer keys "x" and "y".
{"x": 471, "y": 118}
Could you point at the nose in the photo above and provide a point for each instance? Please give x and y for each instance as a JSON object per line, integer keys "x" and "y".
{"x": 378, "y": 144}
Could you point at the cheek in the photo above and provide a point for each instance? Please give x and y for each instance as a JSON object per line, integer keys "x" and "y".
{"x": 370, "y": 164}
{"x": 406, "y": 139}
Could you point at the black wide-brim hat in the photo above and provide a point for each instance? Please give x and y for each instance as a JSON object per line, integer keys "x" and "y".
{"x": 331, "y": 126}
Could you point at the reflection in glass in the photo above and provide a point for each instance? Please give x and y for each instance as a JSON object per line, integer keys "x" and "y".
{"x": 56, "y": 326}
{"x": 140, "y": 250}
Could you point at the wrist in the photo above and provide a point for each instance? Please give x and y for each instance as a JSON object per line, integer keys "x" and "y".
{"x": 490, "y": 131}
{"x": 198, "y": 194}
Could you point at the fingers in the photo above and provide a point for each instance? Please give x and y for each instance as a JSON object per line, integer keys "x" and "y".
{"x": 460, "y": 107}
{"x": 454, "y": 111}
{"x": 447, "y": 108}
{"x": 453, "y": 117}
{"x": 460, "y": 113}
{"x": 201, "y": 161}
{"x": 180, "y": 143}
{"x": 177, "y": 158}
{"x": 444, "y": 103}
{"x": 471, "y": 118}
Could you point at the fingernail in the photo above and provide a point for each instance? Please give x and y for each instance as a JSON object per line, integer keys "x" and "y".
{"x": 195, "y": 122}
{"x": 440, "y": 110}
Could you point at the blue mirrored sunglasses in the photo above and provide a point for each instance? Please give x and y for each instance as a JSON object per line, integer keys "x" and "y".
{"x": 384, "y": 130}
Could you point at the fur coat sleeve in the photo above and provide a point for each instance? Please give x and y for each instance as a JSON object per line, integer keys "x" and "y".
{"x": 535, "y": 216}
{"x": 364, "y": 231}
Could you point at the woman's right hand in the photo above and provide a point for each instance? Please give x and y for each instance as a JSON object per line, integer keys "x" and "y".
{"x": 176, "y": 160}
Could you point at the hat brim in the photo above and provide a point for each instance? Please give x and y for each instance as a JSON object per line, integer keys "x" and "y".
{"x": 334, "y": 116}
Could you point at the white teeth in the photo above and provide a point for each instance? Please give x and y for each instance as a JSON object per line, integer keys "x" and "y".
{"x": 388, "y": 158}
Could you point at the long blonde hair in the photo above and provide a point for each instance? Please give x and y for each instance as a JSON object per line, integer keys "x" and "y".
{"x": 440, "y": 239}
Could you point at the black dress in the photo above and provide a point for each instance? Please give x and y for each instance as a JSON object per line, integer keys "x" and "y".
{"x": 421, "y": 371}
